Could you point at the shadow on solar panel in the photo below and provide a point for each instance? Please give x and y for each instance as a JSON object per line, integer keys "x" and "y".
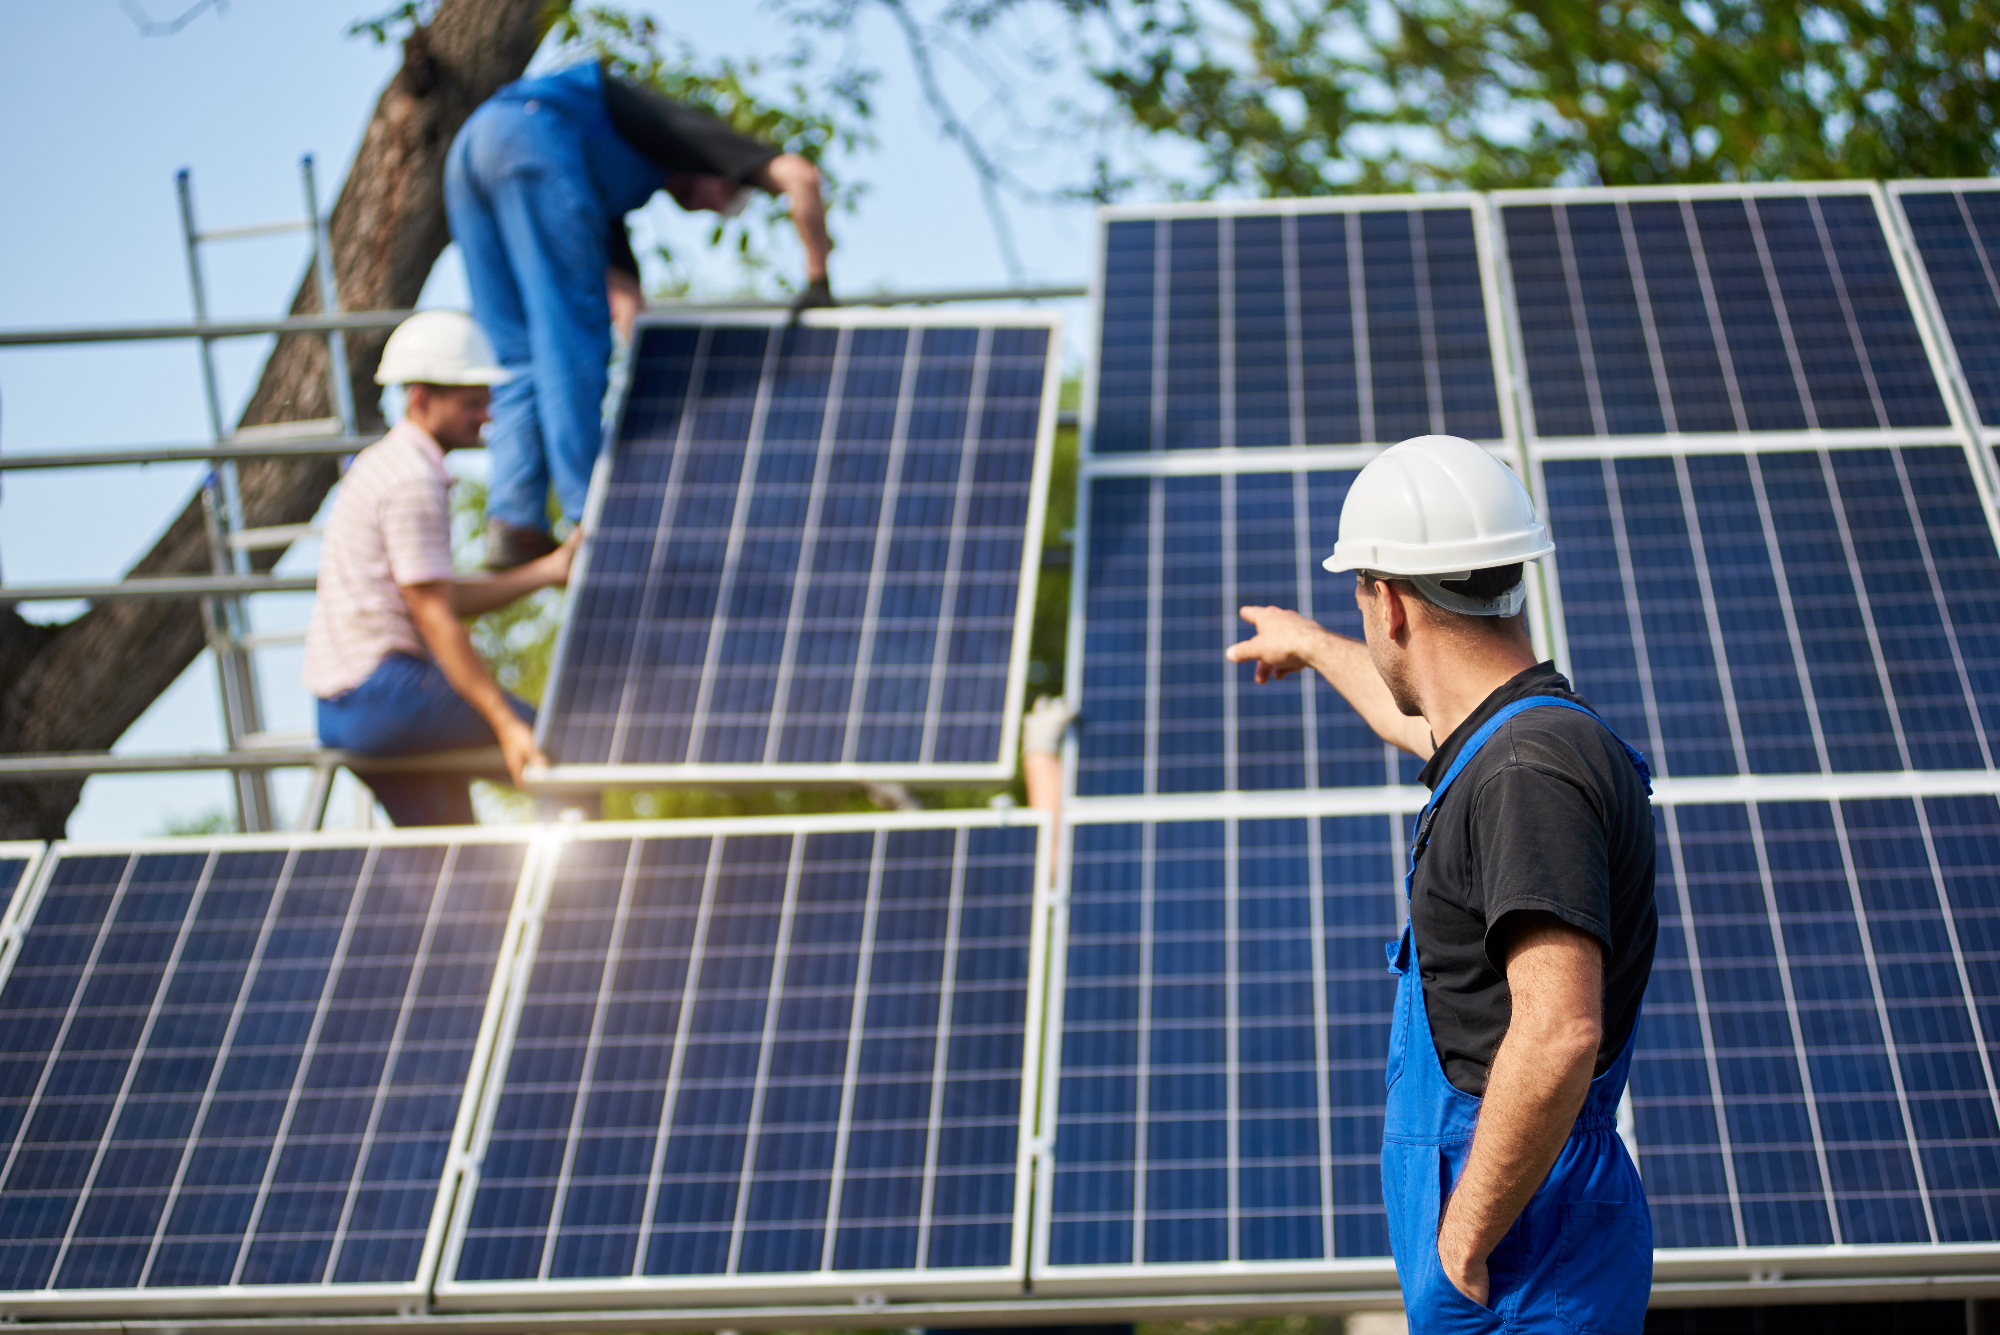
{"x": 812, "y": 553}
{"x": 233, "y": 1072}
{"x": 757, "y": 1058}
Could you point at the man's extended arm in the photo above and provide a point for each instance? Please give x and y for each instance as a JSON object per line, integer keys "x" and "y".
{"x": 437, "y": 606}
{"x": 1287, "y": 642}
{"x": 1534, "y": 1090}
{"x": 792, "y": 176}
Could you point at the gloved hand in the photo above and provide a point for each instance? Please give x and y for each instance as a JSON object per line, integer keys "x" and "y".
{"x": 817, "y": 296}
{"x": 1043, "y": 726}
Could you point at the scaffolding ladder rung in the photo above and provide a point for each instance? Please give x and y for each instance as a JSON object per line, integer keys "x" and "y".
{"x": 276, "y": 535}
{"x": 278, "y": 228}
{"x": 272, "y": 639}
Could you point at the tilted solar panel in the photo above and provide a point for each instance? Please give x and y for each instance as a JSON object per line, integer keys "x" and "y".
{"x": 1956, "y": 229}
{"x": 232, "y": 1071}
{"x": 1221, "y": 1015}
{"x": 1815, "y": 1061}
{"x": 809, "y": 553}
{"x": 1783, "y": 612}
{"x": 757, "y": 1057}
{"x": 1302, "y": 323}
{"x": 1168, "y": 560}
{"x": 1658, "y": 312}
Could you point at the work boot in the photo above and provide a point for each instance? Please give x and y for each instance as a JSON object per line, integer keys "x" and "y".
{"x": 509, "y": 545}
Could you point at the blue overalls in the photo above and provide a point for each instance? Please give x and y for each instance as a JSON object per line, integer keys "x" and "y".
{"x": 533, "y": 185}
{"x": 1580, "y": 1257}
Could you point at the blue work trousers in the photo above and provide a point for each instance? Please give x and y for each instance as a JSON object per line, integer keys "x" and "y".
{"x": 406, "y": 707}
{"x": 529, "y": 223}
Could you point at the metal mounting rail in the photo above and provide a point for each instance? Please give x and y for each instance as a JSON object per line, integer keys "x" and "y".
{"x": 73, "y": 764}
{"x": 302, "y": 447}
{"x": 352, "y": 321}
{"x": 158, "y": 586}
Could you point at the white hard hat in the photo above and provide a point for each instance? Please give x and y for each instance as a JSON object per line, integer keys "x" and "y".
{"x": 439, "y": 348}
{"x": 1442, "y": 507}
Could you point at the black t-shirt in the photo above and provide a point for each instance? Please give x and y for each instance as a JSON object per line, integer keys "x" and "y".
{"x": 1549, "y": 817}
{"x": 679, "y": 139}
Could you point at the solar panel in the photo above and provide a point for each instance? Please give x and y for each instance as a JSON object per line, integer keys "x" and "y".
{"x": 1651, "y": 312}
{"x": 1221, "y": 1012}
{"x": 1302, "y": 323}
{"x": 810, "y": 552}
{"x": 1815, "y": 1062}
{"x": 1816, "y": 611}
{"x": 1167, "y": 562}
{"x": 1956, "y": 230}
{"x": 232, "y": 1071}
{"x": 755, "y": 1057}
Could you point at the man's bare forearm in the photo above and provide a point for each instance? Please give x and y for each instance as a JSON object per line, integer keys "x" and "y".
{"x": 486, "y": 593}
{"x": 1345, "y": 664}
{"x": 451, "y": 645}
{"x": 799, "y": 181}
{"x": 1538, "y": 1081}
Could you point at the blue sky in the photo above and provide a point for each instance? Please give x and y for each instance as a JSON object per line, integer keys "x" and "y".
{"x": 99, "y": 118}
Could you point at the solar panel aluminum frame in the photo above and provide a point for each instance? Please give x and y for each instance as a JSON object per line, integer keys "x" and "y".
{"x": 867, "y": 1288}
{"x": 1917, "y": 278}
{"x": 1908, "y": 271}
{"x": 592, "y": 777}
{"x": 1483, "y": 238}
{"x": 296, "y": 1299}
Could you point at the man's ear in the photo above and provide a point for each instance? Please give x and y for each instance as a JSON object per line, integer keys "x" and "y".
{"x": 1395, "y": 608}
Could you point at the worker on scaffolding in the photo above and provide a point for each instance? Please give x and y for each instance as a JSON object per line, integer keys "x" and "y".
{"x": 387, "y": 651}
{"x": 537, "y": 186}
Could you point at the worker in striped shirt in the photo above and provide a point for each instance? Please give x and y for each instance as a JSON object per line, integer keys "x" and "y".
{"x": 387, "y": 651}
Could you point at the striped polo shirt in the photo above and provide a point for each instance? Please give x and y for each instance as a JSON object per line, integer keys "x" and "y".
{"x": 390, "y": 526}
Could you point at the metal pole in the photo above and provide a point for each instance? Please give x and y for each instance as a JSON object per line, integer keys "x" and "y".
{"x": 341, "y": 382}
{"x": 222, "y": 512}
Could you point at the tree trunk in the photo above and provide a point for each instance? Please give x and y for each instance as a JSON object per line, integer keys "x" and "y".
{"x": 79, "y": 686}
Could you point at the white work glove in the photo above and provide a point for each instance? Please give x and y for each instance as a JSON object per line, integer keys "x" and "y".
{"x": 1043, "y": 726}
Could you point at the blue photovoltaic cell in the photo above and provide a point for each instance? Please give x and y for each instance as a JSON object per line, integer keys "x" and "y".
{"x": 765, "y": 1055}
{"x": 1291, "y": 328}
{"x": 1815, "y": 1060}
{"x": 1170, "y": 561}
{"x": 1958, "y": 236}
{"x": 1789, "y": 612}
{"x": 809, "y": 552}
{"x": 241, "y": 1066}
{"x": 1225, "y": 1011}
{"x": 11, "y": 868}
{"x": 1762, "y": 313}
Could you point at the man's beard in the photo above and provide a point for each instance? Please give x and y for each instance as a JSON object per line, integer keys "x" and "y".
{"x": 1398, "y": 682}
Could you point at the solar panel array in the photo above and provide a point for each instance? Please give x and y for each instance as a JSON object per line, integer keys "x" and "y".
{"x": 232, "y": 1072}
{"x": 246, "y": 1075}
{"x": 1775, "y": 558}
{"x": 760, "y": 1059}
{"x": 810, "y": 551}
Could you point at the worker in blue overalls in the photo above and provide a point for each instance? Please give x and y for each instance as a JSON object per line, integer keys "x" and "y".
{"x": 1512, "y": 1202}
{"x": 537, "y": 186}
